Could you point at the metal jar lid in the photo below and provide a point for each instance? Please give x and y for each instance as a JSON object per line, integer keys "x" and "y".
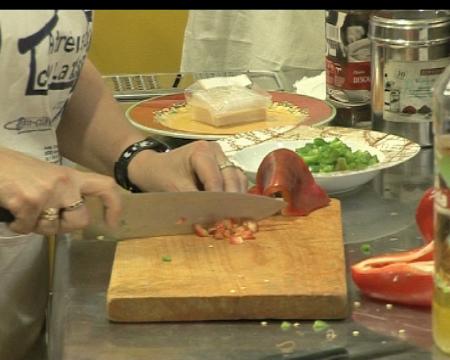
{"x": 410, "y": 28}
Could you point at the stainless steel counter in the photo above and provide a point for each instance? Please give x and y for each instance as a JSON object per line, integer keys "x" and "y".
{"x": 380, "y": 213}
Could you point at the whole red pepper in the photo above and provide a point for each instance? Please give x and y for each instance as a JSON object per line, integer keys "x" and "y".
{"x": 405, "y": 277}
{"x": 424, "y": 215}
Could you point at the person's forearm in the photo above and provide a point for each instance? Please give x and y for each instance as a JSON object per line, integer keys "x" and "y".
{"x": 93, "y": 131}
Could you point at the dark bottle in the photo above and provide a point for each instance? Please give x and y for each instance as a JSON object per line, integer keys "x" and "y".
{"x": 348, "y": 66}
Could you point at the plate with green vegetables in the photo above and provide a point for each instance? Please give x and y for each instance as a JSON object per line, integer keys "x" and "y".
{"x": 340, "y": 159}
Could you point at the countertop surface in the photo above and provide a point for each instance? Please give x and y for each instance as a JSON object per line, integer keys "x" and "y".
{"x": 380, "y": 213}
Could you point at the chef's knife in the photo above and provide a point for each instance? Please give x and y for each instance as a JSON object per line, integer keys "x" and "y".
{"x": 170, "y": 213}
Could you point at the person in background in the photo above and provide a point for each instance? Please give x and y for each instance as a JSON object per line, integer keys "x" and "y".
{"x": 54, "y": 104}
{"x": 241, "y": 40}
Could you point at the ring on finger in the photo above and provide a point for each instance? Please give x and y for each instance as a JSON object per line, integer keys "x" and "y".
{"x": 75, "y": 205}
{"x": 50, "y": 214}
{"x": 227, "y": 164}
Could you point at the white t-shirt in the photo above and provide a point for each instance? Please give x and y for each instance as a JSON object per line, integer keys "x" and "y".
{"x": 240, "y": 40}
{"x": 41, "y": 55}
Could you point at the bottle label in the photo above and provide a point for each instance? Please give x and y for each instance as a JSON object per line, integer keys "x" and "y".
{"x": 348, "y": 56}
{"x": 348, "y": 76}
{"x": 408, "y": 89}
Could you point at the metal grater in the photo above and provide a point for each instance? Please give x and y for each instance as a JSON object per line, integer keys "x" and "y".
{"x": 134, "y": 87}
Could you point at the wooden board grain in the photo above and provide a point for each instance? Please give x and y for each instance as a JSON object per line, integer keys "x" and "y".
{"x": 294, "y": 269}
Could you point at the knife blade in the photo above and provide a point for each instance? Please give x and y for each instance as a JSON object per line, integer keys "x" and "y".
{"x": 165, "y": 213}
{"x": 171, "y": 213}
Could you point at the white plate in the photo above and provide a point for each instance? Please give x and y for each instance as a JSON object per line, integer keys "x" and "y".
{"x": 144, "y": 116}
{"x": 249, "y": 149}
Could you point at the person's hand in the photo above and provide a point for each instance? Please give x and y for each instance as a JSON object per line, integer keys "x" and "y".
{"x": 36, "y": 193}
{"x": 196, "y": 166}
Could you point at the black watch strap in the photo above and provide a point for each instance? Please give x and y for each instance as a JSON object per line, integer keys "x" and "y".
{"x": 121, "y": 165}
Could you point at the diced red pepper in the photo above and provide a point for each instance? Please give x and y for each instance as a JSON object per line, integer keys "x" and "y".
{"x": 200, "y": 230}
{"x": 424, "y": 215}
{"x": 181, "y": 220}
{"x": 230, "y": 229}
{"x": 405, "y": 277}
{"x": 236, "y": 240}
{"x": 219, "y": 235}
{"x": 283, "y": 172}
{"x": 251, "y": 225}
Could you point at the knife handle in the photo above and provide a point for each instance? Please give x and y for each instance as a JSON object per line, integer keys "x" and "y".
{"x": 6, "y": 215}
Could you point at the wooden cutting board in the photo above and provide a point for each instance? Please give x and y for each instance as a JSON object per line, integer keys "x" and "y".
{"x": 294, "y": 269}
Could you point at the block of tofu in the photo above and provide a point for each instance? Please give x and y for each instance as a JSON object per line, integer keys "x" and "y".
{"x": 228, "y": 105}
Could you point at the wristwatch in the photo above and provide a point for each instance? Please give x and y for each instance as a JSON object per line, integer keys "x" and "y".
{"x": 121, "y": 165}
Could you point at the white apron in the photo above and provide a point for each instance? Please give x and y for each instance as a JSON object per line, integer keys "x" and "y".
{"x": 41, "y": 54}
{"x": 239, "y": 40}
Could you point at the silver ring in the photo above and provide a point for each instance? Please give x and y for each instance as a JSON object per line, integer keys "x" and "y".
{"x": 75, "y": 205}
{"x": 50, "y": 214}
{"x": 227, "y": 164}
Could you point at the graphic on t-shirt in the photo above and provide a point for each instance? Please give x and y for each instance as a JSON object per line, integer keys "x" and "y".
{"x": 55, "y": 75}
{"x": 30, "y": 124}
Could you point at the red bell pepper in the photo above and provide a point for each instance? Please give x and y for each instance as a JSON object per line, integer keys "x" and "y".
{"x": 405, "y": 277}
{"x": 283, "y": 172}
{"x": 424, "y": 215}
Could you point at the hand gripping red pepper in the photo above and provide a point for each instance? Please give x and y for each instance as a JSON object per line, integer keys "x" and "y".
{"x": 404, "y": 277}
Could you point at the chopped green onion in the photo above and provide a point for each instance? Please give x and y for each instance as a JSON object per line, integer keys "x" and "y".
{"x": 166, "y": 258}
{"x": 319, "y": 325}
{"x": 366, "y": 249}
{"x": 285, "y": 325}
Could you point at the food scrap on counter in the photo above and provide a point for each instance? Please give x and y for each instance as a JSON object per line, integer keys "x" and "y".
{"x": 320, "y": 325}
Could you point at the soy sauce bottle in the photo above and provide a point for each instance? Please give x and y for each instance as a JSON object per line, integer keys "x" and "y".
{"x": 347, "y": 67}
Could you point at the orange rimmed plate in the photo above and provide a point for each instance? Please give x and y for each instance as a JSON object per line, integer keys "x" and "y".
{"x": 167, "y": 115}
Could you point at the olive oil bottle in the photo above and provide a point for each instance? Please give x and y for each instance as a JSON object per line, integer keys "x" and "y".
{"x": 441, "y": 127}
